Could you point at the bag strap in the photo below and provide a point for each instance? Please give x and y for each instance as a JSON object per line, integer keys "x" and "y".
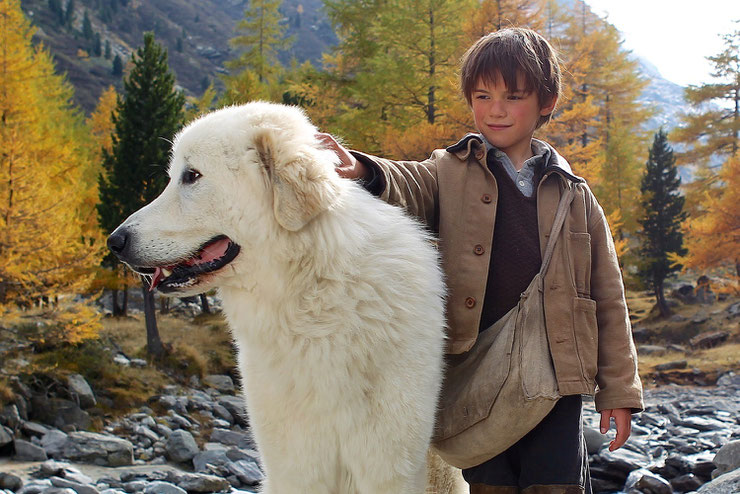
{"x": 557, "y": 225}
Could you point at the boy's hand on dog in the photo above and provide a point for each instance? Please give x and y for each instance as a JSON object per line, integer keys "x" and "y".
{"x": 622, "y": 422}
{"x": 348, "y": 167}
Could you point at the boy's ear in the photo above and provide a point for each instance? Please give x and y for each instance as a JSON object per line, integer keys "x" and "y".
{"x": 549, "y": 107}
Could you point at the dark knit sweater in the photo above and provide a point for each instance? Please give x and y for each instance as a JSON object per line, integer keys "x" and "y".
{"x": 515, "y": 256}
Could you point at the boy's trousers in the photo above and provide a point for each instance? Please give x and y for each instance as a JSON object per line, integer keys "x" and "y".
{"x": 551, "y": 458}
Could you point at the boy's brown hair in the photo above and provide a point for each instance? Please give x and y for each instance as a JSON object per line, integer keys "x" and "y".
{"x": 507, "y": 53}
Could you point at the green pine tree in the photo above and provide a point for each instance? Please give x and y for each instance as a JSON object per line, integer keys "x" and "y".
{"x": 661, "y": 221}
{"x": 148, "y": 116}
{"x": 117, "y": 69}
{"x": 87, "y": 30}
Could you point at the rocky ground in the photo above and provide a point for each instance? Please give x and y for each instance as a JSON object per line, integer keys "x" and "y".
{"x": 196, "y": 439}
{"x": 192, "y": 436}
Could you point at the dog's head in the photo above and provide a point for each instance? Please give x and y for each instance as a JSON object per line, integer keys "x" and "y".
{"x": 238, "y": 177}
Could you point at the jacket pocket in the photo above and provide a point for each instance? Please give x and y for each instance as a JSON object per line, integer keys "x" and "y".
{"x": 586, "y": 331}
{"x": 580, "y": 252}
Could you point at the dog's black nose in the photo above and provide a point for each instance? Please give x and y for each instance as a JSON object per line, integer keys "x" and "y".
{"x": 117, "y": 241}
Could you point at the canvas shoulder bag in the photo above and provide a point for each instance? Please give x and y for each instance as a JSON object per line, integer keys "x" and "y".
{"x": 505, "y": 384}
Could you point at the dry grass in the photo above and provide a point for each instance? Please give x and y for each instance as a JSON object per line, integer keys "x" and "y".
{"x": 711, "y": 359}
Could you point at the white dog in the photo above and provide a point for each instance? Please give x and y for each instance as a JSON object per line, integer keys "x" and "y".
{"x": 334, "y": 298}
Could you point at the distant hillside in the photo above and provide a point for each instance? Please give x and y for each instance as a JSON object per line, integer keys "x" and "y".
{"x": 196, "y": 35}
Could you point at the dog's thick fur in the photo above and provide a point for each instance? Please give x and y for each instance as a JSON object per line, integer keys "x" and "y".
{"x": 335, "y": 300}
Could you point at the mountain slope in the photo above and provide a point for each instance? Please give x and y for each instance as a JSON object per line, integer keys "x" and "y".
{"x": 196, "y": 35}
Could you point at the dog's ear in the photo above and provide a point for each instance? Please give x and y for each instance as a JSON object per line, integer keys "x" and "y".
{"x": 301, "y": 187}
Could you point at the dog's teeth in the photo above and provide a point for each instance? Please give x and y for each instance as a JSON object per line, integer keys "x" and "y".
{"x": 166, "y": 272}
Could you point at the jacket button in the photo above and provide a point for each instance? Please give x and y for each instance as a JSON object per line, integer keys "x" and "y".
{"x": 486, "y": 198}
{"x": 479, "y": 249}
{"x": 470, "y": 302}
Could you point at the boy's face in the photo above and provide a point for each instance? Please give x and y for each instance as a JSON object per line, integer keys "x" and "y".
{"x": 507, "y": 117}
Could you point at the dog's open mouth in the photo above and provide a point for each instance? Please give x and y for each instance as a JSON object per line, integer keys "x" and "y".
{"x": 214, "y": 255}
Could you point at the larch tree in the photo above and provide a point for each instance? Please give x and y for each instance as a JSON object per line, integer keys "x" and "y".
{"x": 134, "y": 172}
{"x": 599, "y": 124}
{"x": 261, "y": 36}
{"x": 713, "y": 236}
{"x": 46, "y": 239}
{"x": 396, "y": 66}
{"x": 663, "y": 213}
{"x": 713, "y": 127}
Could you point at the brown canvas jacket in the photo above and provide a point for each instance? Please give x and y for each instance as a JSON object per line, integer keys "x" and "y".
{"x": 588, "y": 327}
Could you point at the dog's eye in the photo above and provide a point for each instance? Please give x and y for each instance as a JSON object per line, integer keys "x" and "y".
{"x": 190, "y": 176}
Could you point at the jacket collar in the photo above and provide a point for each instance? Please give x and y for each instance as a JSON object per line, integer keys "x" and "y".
{"x": 473, "y": 144}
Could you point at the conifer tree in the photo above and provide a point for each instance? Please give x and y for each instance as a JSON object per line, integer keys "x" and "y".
{"x": 395, "y": 68}
{"x": 46, "y": 239}
{"x": 148, "y": 116}
{"x": 661, "y": 221}
{"x": 714, "y": 129}
{"x": 712, "y": 238}
{"x": 261, "y": 37}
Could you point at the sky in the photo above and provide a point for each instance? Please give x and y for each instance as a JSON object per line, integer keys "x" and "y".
{"x": 674, "y": 35}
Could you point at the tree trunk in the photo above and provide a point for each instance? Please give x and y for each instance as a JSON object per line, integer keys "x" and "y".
{"x": 153, "y": 342}
{"x": 124, "y": 304}
{"x": 164, "y": 305}
{"x": 116, "y": 307}
{"x": 665, "y": 311}
{"x": 204, "y": 304}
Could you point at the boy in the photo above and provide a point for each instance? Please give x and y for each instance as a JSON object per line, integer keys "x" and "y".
{"x": 504, "y": 181}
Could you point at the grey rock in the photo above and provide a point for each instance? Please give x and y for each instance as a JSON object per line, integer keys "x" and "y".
{"x": 623, "y": 460}
{"x": 60, "y": 413}
{"x": 181, "y": 446}
{"x": 179, "y": 421}
{"x": 35, "y": 487}
{"x": 651, "y": 349}
{"x": 236, "y": 407}
{"x": 686, "y": 483}
{"x": 160, "y": 487}
{"x": 75, "y": 486}
{"x": 52, "y": 468}
{"x": 81, "y": 389}
{"x": 231, "y": 438}
{"x": 643, "y": 480}
{"x": 10, "y": 481}
{"x": 26, "y": 451}
{"x": 59, "y": 490}
{"x": 709, "y": 340}
{"x": 6, "y": 436}
{"x": 138, "y": 362}
{"x": 98, "y": 449}
{"x": 53, "y": 443}
{"x": 221, "y": 412}
{"x": 202, "y": 483}
{"x": 135, "y": 486}
{"x": 702, "y": 424}
{"x": 221, "y": 383}
{"x": 727, "y": 458}
{"x": 10, "y": 417}
{"x": 32, "y": 429}
{"x": 121, "y": 360}
{"x": 728, "y": 483}
{"x": 676, "y": 364}
{"x": 246, "y": 471}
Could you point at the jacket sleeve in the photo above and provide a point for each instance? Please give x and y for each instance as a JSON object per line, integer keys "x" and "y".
{"x": 617, "y": 378}
{"x": 411, "y": 185}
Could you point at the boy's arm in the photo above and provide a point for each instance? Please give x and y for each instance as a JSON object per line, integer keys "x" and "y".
{"x": 411, "y": 185}
{"x": 618, "y": 381}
